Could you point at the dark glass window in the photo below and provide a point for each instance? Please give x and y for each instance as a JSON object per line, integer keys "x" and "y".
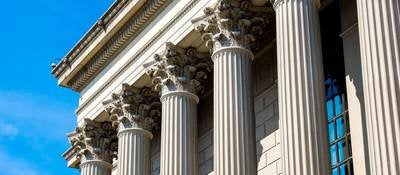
{"x": 336, "y": 100}
{"x": 338, "y": 127}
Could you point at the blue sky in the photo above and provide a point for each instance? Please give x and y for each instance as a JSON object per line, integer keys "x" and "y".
{"x": 35, "y": 114}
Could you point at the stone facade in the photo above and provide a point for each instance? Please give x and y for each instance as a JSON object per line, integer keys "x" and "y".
{"x": 235, "y": 87}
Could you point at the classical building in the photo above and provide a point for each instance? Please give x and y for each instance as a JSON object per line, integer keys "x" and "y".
{"x": 235, "y": 87}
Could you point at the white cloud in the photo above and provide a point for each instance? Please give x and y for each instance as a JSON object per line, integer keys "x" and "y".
{"x": 8, "y": 130}
{"x": 33, "y": 127}
{"x": 10, "y": 165}
{"x": 31, "y": 112}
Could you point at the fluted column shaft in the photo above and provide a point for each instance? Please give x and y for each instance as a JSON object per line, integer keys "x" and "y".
{"x": 301, "y": 90}
{"x": 95, "y": 167}
{"x": 379, "y": 28}
{"x": 134, "y": 152}
{"x": 135, "y": 112}
{"x": 234, "y": 133}
{"x": 179, "y": 133}
{"x": 179, "y": 74}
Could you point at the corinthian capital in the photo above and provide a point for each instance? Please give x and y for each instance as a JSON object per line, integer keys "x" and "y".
{"x": 233, "y": 23}
{"x": 178, "y": 69}
{"x": 135, "y": 108}
{"x": 95, "y": 141}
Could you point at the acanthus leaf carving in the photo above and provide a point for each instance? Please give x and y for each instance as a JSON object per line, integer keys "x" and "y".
{"x": 233, "y": 23}
{"x": 95, "y": 141}
{"x": 179, "y": 69}
{"x": 135, "y": 108}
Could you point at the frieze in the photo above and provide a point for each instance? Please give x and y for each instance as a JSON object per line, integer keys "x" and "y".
{"x": 146, "y": 46}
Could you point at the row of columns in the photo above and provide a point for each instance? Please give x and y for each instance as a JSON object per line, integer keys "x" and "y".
{"x": 301, "y": 96}
{"x": 230, "y": 29}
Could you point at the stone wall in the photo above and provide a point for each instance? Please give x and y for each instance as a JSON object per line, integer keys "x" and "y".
{"x": 205, "y": 134}
{"x": 155, "y": 154}
{"x": 266, "y": 113}
{"x": 267, "y": 132}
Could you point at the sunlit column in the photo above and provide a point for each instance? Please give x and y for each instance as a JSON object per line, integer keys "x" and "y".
{"x": 135, "y": 112}
{"x": 179, "y": 74}
{"x": 379, "y": 29}
{"x": 230, "y": 29}
{"x": 301, "y": 91}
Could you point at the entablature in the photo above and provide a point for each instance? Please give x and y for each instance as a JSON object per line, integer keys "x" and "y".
{"x": 172, "y": 25}
{"x": 122, "y": 22}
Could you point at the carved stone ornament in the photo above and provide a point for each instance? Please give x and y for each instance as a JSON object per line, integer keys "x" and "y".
{"x": 95, "y": 141}
{"x": 135, "y": 108}
{"x": 178, "y": 69}
{"x": 234, "y": 23}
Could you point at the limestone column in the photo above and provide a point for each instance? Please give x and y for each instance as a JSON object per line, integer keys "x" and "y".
{"x": 301, "y": 91}
{"x": 230, "y": 29}
{"x": 95, "y": 167}
{"x": 96, "y": 144}
{"x": 178, "y": 74}
{"x": 379, "y": 29}
{"x": 135, "y": 112}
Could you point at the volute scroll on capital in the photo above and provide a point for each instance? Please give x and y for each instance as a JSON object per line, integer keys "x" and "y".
{"x": 234, "y": 23}
{"x": 95, "y": 141}
{"x": 135, "y": 108}
{"x": 179, "y": 69}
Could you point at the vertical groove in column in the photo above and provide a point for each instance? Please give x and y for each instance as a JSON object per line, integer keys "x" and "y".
{"x": 301, "y": 92}
{"x": 134, "y": 152}
{"x": 234, "y": 132}
{"x": 178, "y": 135}
{"x": 95, "y": 167}
{"x": 379, "y": 28}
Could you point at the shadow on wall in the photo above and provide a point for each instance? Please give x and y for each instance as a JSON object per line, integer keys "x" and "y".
{"x": 267, "y": 132}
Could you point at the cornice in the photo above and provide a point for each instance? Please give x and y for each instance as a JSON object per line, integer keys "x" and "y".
{"x": 107, "y": 53}
{"x": 70, "y": 156}
{"x": 140, "y": 52}
{"x": 93, "y": 32}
